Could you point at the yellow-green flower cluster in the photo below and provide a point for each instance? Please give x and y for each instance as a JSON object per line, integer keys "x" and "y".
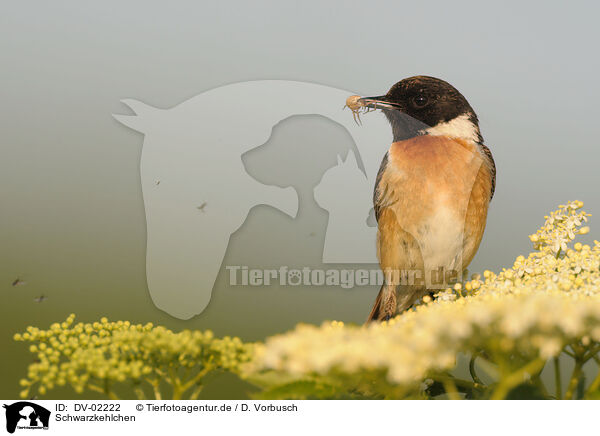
{"x": 546, "y": 304}
{"x": 98, "y": 355}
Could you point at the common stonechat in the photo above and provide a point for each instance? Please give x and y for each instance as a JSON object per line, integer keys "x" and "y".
{"x": 432, "y": 191}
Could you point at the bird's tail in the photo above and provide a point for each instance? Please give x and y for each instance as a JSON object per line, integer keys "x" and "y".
{"x": 376, "y": 310}
{"x": 389, "y": 302}
{"x": 385, "y": 306}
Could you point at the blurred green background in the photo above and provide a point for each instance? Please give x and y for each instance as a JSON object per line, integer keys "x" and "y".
{"x": 72, "y": 216}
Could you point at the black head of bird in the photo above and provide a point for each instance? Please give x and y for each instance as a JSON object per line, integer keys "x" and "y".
{"x": 426, "y": 104}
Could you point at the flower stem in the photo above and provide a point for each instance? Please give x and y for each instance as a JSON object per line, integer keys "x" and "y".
{"x": 574, "y": 381}
{"x": 139, "y": 393}
{"x": 595, "y": 385}
{"x": 196, "y": 392}
{"x": 459, "y": 384}
{"x": 196, "y": 379}
{"x": 557, "y": 378}
{"x": 591, "y": 353}
{"x": 472, "y": 371}
{"x": 156, "y": 388}
{"x": 106, "y": 392}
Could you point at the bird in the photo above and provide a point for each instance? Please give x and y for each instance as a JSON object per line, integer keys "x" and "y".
{"x": 201, "y": 207}
{"x": 432, "y": 191}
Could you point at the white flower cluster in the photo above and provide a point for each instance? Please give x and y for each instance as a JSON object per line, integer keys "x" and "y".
{"x": 534, "y": 310}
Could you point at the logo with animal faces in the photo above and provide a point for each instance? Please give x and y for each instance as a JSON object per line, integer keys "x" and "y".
{"x": 197, "y": 191}
{"x": 25, "y": 415}
{"x": 207, "y": 162}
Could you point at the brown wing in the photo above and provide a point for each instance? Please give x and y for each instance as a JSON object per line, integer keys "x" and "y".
{"x": 488, "y": 154}
{"x": 380, "y": 191}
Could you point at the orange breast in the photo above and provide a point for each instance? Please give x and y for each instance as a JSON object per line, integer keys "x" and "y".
{"x": 432, "y": 198}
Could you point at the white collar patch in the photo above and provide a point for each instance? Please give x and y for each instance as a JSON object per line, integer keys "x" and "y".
{"x": 460, "y": 127}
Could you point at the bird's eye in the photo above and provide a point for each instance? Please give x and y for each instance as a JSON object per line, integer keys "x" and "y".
{"x": 420, "y": 101}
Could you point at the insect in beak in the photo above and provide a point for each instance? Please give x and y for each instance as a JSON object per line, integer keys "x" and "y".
{"x": 362, "y": 105}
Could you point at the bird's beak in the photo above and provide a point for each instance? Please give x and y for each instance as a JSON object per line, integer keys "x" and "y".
{"x": 380, "y": 102}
